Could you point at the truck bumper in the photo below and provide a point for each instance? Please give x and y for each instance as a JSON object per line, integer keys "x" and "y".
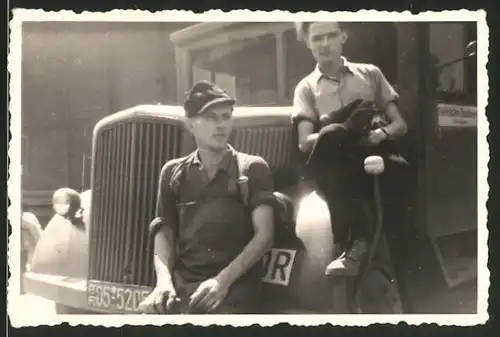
{"x": 68, "y": 291}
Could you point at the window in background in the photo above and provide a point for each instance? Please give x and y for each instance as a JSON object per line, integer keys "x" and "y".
{"x": 457, "y": 82}
{"x": 299, "y": 62}
{"x": 246, "y": 68}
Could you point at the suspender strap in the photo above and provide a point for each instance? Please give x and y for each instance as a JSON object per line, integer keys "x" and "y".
{"x": 243, "y": 163}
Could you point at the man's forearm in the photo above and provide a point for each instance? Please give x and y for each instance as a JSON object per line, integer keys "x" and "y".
{"x": 308, "y": 143}
{"x": 398, "y": 126}
{"x": 164, "y": 248}
{"x": 252, "y": 253}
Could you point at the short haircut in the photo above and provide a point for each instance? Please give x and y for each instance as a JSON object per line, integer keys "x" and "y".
{"x": 302, "y": 29}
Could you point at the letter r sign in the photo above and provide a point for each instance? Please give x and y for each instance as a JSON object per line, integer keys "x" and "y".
{"x": 278, "y": 264}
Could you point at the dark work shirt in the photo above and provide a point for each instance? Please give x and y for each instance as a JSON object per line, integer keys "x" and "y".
{"x": 212, "y": 226}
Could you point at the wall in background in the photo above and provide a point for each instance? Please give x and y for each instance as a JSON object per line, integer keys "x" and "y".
{"x": 74, "y": 74}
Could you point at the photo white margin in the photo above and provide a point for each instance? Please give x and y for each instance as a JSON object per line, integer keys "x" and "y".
{"x": 23, "y": 319}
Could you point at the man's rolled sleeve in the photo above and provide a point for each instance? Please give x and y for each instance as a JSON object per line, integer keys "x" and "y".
{"x": 166, "y": 212}
{"x": 261, "y": 185}
{"x": 385, "y": 93}
{"x": 303, "y": 102}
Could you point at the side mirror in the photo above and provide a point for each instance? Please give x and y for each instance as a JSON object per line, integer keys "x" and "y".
{"x": 470, "y": 51}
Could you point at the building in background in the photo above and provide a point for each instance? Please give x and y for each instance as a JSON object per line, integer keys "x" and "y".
{"x": 74, "y": 74}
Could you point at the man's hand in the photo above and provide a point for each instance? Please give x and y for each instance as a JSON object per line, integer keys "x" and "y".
{"x": 161, "y": 299}
{"x": 377, "y": 136}
{"x": 208, "y": 296}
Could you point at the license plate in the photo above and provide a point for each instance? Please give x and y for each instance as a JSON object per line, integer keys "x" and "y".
{"x": 115, "y": 298}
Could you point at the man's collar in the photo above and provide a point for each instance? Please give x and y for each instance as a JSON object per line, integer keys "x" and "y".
{"x": 317, "y": 74}
{"x": 224, "y": 164}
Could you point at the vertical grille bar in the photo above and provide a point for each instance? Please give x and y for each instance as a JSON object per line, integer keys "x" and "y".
{"x": 152, "y": 183}
{"x": 113, "y": 228}
{"x": 120, "y": 199}
{"x": 131, "y": 186}
{"x": 271, "y": 143}
{"x": 137, "y": 210}
{"x": 104, "y": 193}
{"x": 98, "y": 172}
{"x": 143, "y": 209}
{"x": 127, "y": 145}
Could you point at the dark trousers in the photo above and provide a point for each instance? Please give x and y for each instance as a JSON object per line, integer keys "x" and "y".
{"x": 336, "y": 165}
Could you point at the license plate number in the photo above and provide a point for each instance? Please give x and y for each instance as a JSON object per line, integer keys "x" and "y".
{"x": 115, "y": 298}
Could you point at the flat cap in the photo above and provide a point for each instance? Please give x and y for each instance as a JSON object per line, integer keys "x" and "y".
{"x": 202, "y": 96}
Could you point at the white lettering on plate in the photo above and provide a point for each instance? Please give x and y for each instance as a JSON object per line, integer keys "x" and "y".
{"x": 278, "y": 264}
{"x": 115, "y": 297}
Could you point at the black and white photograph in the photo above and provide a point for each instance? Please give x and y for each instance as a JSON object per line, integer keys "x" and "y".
{"x": 277, "y": 167}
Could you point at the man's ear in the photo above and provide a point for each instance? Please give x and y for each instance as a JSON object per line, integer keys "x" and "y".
{"x": 188, "y": 124}
{"x": 307, "y": 43}
{"x": 344, "y": 37}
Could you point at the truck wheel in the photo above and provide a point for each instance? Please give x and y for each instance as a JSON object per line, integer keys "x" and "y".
{"x": 62, "y": 309}
{"x": 379, "y": 293}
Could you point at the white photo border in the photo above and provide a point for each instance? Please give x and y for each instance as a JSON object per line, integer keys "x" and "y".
{"x": 21, "y": 319}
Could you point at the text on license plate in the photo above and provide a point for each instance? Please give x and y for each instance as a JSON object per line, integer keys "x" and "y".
{"x": 115, "y": 298}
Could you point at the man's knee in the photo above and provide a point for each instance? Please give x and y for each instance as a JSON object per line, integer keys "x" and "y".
{"x": 332, "y": 130}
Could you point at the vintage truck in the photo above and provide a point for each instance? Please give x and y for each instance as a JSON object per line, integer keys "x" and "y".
{"x": 95, "y": 254}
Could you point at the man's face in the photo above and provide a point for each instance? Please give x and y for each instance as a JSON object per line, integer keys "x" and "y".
{"x": 325, "y": 40}
{"x": 213, "y": 128}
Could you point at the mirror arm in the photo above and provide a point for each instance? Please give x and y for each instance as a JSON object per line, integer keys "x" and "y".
{"x": 444, "y": 65}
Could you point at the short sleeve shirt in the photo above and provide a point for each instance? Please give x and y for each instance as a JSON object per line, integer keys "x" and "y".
{"x": 212, "y": 228}
{"x": 318, "y": 94}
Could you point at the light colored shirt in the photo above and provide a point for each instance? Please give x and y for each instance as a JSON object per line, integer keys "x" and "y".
{"x": 318, "y": 94}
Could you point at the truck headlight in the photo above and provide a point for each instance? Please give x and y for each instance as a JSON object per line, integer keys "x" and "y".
{"x": 66, "y": 202}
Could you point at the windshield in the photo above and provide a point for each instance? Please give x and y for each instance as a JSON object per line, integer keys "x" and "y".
{"x": 246, "y": 68}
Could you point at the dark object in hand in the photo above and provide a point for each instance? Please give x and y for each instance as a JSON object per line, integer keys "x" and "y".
{"x": 359, "y": 118}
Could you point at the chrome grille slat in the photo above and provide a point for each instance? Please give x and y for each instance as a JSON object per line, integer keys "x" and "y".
{"x": 121, "y": 199}
{"x": 96, "y": 208}
{"x": 273, "y": 143}
{"x": 155, "y": 172}
{"x": 106, "y": 204}
{"x": 145, "y": 191}
{"x": 115, "y": 155}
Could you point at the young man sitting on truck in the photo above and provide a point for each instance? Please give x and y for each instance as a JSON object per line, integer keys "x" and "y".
{"x": 208, "y": 243}
{"x": 337, "y": 168}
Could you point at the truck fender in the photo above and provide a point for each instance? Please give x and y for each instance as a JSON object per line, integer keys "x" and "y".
{"x": 302, "y": 283}
{"x": 31, "y": 230}
{"x": 62, "y": 248}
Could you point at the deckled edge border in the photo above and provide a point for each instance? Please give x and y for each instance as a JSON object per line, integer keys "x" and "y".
{"x": 14, "y": 182}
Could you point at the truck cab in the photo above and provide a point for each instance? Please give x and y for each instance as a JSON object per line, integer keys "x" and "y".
{"x": 101, "y": 261}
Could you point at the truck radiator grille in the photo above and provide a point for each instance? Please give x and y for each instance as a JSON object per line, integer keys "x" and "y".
{"x": 128, "y": 159}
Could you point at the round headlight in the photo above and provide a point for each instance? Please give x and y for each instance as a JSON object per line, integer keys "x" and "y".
{"x": 66, "y": 202}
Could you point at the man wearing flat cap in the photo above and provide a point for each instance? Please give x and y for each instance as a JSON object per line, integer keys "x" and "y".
{"x": 208, "y": 242}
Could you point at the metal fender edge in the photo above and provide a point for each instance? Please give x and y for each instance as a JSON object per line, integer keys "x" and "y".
{"x": 60, "y": 289}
